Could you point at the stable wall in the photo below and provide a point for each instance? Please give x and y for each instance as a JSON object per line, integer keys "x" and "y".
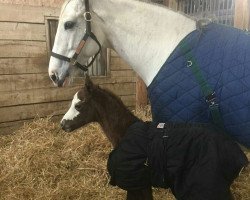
{"x": 47, "y": 3}
{"x": 26, "y": 91}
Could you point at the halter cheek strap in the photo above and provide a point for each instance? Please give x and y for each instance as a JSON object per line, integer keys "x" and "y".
{"x": 89, "y": 33}
{"x": 73, "y": 60}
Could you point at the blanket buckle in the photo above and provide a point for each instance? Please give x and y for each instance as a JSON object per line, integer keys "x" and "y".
{"x": 211, "y": 100}
{"x": 146, "y": 162}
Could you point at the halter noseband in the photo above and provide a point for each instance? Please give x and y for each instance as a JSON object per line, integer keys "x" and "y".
{"x": 73, "y": 60}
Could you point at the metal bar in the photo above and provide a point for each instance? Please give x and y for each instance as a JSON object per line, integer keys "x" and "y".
{"x": 213, "y": 11}
{"x": 98, "y": 64}
{"x": 191, "y": 7}
{"x": 227, "y": 13}
{"x": 221, "y": 10}
{"x": 218, "y": 11}
{"x": 210, "y": 7}
{"x": 93, "y": 70}
{"x": 224, "y": 12}
{"x": 233, "y": 12}
{"x": 202, "y": 7}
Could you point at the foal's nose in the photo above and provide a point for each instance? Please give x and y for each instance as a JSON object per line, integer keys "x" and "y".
{"x": 62, "y": 123}
{"x": 65, "y": 126}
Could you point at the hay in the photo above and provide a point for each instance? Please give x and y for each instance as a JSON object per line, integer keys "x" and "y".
{"x": 42, "y": 162}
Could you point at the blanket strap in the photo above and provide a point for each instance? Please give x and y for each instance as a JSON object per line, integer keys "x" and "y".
{"x": 207, "y": 91}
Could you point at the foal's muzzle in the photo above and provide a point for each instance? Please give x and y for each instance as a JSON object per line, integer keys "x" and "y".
{"x": 66, "y": 127}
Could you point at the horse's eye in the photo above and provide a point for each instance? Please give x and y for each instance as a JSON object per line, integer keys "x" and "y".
{"x": 69, "y": 25}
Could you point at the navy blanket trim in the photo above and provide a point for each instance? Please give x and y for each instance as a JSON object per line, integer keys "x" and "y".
{"x": 223, "y": 55}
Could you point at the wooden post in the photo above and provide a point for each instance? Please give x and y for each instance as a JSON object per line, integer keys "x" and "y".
{"x": 173, "y": 4}
{"x": 141, "y": 93}
{"x": 166, "y": 3}
{"x": 241, "y": 17}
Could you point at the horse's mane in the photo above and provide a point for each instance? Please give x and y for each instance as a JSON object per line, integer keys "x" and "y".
{"x": 164, "y": 7}
{"x": 141, "y": 1}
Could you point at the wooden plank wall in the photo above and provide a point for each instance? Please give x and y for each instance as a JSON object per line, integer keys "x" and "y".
{"x": 47, "y": 3}
{"x": 25, "y": 89}
{"x": 242, "y": 14}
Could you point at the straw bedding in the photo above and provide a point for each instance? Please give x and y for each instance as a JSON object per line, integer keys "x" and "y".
{"x": 42, "y": 162}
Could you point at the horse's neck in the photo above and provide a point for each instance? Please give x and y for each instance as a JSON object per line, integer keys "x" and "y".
{"x": 114, "y": 117}
{"x": 144, "y": 35}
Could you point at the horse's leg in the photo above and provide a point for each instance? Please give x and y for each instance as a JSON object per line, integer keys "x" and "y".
{"x": 145, "y": 194}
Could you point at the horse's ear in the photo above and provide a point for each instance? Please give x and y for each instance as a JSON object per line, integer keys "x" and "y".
{"x": 89, "y": 85}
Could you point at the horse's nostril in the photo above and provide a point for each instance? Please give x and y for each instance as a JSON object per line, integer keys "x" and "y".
{"x": 53, "y": 77}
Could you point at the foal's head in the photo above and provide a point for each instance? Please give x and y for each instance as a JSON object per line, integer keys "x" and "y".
{"x": 82, "y": 110}
{"x": 94, "y": 104}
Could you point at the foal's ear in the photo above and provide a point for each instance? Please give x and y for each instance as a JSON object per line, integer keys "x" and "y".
{"x": 89, "y": 85}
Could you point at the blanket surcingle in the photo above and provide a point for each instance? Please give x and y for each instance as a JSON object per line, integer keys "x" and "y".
{"x": 222, "y": 55}
{"x": 195, "y": 161}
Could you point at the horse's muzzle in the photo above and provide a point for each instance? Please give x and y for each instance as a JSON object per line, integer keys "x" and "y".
{"x": 59, "y": 82}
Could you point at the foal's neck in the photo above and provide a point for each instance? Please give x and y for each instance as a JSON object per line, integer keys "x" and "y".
{"x": 113, "y": 116}
{"x": 143, "y": 34}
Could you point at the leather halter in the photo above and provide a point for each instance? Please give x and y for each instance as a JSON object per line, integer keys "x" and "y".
{"x": 88, "y": 33}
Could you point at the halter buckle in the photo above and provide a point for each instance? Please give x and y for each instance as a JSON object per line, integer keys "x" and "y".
{"x": 86, "y": 14}
{"x": 73, "y": 61}
{"x": 211, "y": 99}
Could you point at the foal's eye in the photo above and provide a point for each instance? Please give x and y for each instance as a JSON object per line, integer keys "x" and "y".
{"x": 69, "y": 25}
{"x": 79, "y": 105}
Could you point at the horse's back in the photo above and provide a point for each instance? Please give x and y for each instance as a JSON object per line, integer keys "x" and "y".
{"x": 223, "y": 56}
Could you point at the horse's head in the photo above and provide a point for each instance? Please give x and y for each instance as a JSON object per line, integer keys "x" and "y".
{"x": 75, "y": 36}
{"x": 82, "y": 110}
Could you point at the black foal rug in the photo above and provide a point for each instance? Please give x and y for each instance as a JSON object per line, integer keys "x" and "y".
{"x": 195, "y": 161}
